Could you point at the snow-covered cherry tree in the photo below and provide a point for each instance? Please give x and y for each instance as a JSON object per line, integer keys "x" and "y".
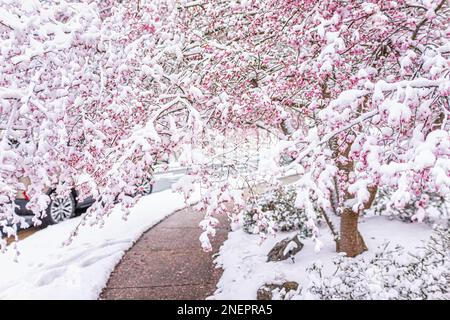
{"x": 97, "y": 88}
{"x": 358, "y": 91}
{"x": 378, "y": 99}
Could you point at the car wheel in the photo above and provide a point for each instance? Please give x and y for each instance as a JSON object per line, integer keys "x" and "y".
{"x": 60, "y": 209}
{"x": 145, "y": 188}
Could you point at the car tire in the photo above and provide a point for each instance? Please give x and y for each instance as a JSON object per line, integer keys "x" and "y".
{"x": 61, "y": 208}
{"x": 145, "y": 188}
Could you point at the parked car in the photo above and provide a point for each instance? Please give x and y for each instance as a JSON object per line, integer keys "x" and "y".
{"x": 145, "y": 187}
{"x": 62, "y": 208}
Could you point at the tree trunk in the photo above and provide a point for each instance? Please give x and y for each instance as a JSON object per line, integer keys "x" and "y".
{"x": 351, "y": 242}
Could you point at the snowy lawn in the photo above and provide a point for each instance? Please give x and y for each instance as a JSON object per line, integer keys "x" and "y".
{"x": 243, "y": 258}
{"x": 48, "y": 270}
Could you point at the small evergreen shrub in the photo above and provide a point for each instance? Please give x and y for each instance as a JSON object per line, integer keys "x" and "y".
{"x": 275, "y": 211}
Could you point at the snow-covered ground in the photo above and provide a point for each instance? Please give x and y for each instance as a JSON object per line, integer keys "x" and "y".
{"x": 48, "y": 270}
{"x": 246, "y": 269}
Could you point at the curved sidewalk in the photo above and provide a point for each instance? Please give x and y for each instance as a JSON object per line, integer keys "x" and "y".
{"x": 167, "y": 262}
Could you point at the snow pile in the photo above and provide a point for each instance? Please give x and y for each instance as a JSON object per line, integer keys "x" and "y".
{"x": 48, "y": 270}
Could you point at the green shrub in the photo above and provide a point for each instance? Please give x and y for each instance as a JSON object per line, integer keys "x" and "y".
{"x": 275, "y": 211}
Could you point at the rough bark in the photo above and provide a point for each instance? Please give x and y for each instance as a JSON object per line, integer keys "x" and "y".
{"x": 351, "y": 242}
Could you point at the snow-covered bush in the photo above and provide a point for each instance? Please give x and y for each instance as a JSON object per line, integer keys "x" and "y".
{"x": 391, "y": 273}
{"x": 437, "y": 207}
{"x": 276, "y": 211}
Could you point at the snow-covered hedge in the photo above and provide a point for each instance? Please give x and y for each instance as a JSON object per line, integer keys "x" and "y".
{"x": 276, "y": 211}
{"x": 391, "y": 273}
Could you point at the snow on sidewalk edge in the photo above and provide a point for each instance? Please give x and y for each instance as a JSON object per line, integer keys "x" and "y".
{"x": 48, "y": 270}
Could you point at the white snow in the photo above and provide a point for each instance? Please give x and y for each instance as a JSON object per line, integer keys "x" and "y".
{"x": 290, "y": 246}
{"x": 243, "y": 258}
{"x": 48, "y": 270}
{"x": 10, "y": 19}
{"x": 347, "y": 97}
{"x": 396, "y": 111}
